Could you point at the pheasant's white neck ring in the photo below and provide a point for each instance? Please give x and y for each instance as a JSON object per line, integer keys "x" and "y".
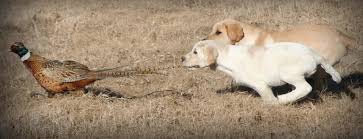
{"x": 25, "y": 57}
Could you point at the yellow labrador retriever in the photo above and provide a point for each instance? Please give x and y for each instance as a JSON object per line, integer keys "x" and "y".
{"x": 324, "y": 40}
{"x": 276, "y": 64}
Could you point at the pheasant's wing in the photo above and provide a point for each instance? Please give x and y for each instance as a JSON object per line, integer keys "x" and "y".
{"x": 75, "y": 65}
{"x": 67, "y": 71}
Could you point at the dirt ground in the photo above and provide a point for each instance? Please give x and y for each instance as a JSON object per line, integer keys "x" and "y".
{"x": 105, "y": 34}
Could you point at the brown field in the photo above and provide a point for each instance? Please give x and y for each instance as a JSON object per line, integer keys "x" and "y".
{"x": 104, "y": 34}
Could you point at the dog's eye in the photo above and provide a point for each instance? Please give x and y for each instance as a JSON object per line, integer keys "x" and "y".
{"x": 218, "y": 32}
{"x": 195, "y": 52}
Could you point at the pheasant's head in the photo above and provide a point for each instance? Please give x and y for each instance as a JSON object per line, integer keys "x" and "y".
{"x": 21, "y": 50}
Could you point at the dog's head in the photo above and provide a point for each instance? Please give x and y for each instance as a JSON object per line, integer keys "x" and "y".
{"x": 228, "y": 31}
{"x": 204, "y": 54}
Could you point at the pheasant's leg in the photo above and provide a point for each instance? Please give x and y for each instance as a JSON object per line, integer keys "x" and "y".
{"x": 77, "y": 93}
{"x": 51, "y": 95}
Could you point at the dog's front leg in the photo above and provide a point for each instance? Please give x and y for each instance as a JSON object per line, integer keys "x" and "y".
{"x": 266, "y": 94}
{"x": 233, "y": 86}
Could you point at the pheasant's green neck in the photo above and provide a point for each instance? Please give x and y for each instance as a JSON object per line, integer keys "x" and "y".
{"x": 25, "y": 57}
{"x": 24, "y": 54}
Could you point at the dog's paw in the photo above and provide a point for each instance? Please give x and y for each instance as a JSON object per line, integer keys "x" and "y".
{"x": 282, "y": 99}
{"x": 271, "y": 101}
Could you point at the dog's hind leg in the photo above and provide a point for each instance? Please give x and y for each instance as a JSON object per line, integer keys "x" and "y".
{"x": 302, "y": 89}
{"x": 266, "y": 93}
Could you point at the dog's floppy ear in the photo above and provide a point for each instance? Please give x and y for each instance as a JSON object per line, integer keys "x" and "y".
{"x": 212, "y": 54}
{"x": 234, "y": 32}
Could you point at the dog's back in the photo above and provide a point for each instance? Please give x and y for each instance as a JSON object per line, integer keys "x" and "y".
{"x": 283, "y": 58}
{"x": 287, "y": 57}
{"x": 288, "y": 52}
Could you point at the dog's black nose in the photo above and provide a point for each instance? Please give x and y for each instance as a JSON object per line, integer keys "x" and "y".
{"x": 204, "y": 39}
{"x": 183, "y": 58}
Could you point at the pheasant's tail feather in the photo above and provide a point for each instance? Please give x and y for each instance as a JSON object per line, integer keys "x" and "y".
{"x": 116, "y": 72}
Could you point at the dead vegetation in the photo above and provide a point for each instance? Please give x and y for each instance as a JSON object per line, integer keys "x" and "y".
{"x": 103, "y": 34}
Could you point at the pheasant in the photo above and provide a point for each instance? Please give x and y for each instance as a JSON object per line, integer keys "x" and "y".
{"x": 59, "y": 77}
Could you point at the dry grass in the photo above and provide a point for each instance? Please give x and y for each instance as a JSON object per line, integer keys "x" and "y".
{"x": 105, "y": 34}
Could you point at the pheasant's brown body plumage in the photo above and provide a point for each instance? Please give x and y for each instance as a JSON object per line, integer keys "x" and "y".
{"x": 52, "y": 74}
{"x": 58, "y": 77}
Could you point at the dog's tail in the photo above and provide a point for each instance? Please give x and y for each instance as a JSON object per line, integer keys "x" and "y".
{"x": 348, "y": 41}
{"x": 329, "y": 69}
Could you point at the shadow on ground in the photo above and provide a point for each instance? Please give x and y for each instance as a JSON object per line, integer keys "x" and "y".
{"x": 354, "y": 80}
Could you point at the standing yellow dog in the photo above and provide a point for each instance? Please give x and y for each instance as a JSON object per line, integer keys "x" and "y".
{"x": 324, "y": 40}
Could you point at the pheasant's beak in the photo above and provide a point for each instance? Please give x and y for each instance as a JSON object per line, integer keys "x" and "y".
{"x": 12, "y": 48}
